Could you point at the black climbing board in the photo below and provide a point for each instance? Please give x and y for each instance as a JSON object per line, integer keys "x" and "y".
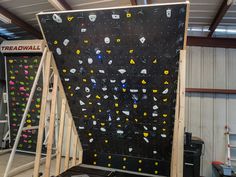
{"x": 21, "y": 72}
{"x": 119, "y": 69}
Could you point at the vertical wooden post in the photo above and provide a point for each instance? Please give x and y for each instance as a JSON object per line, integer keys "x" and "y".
{"x": 60, "y": 138}
{"x": 42, "y": 114}
{"x": 51, "y": 126}
{"x": 74, "y": 148}
{"x": 68, "y": 143}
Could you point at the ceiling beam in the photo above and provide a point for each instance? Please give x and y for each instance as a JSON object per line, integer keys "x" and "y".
{"x": 211, "y": 42}
{"x": 219, "y": 16}
{"x": 133, "y": 2}
{"x": 149, "y": 1}
{"x": 60, "y": 4}
{"x": 21, "y": 23}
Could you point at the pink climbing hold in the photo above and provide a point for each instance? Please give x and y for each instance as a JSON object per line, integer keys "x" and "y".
{"x": 22, "y": 88}
{"x": 11, "y": 82}
{"x": 26, "y": 72}
{"x": 26, "y": 67}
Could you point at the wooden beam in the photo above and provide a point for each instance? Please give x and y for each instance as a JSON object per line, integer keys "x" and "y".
{"x": 133, "y": 2}
{"x": 219, "y": 16}
{"x": 149, "y": 1}
{"x": 211, "y": 42}
{"x": 208, "y": 90}
{"x": 21, "y": 23}
{"x": 65, "y": 4}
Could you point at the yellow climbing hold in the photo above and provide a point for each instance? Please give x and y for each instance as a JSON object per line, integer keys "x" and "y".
{"x": 106, "y": 141}
{"x": 132, "y": 62}
{"x": 156, "y": 163}
{"x": 71, "y": 94}
{"x": 124, "y": 159}
{"x": 124, "y": 90}
{"x": 140, "y": 161}
{"x": 69, "y": 87}
{"x": 108, "y": 51}
{"x": 94, "y": 163}
{"x": 144, "y": 82}
{"x": 109, "y": 157}
{"x": 154, "y": 61}
{"x": 128, "y": 15}
{"x": 93, "y": 116}
{"x": 103, "y": 124}
{"x": 70, "y": 18}
{"x": 117, "y": 112}
{"x": 109, "y": 165}
{"x": 64, "y": 70}
{"x": 99, "y": 110}
{"x": 124, "y": 167}
{"x": 164, "y": 115}
{"x": 145, "y": 113}
{"x": 131, "y": 51}
{"x": 95, "y": 155}
{"x": 86, "y": 41}
{"x": 55, "y": 42}
{"x": 37, "y": 106}
{"x": 90, "y": 103}
{"x": 90, "y": 134}
{"x": 166, "y": 72}
{"x": 116, "y": 104}
{"x": 145, "y": 134}
{"x": 78, "y": 52}
{"x": 156, "y": 172}
{"x": 98, "y": 97}
{"x": 154, "y": 91}
{"x": 165, "y": 100}
{"x": 163, "y": 129}
{"x": 91, "y": 71}
{"x": 84, "y": 80}
{"x": 164, "y": 122}
{"x": 135, "y": 106}
{"x": 139, "y": 169}
{"x": 118, "y": 40}
{"x": 166, "y": 82}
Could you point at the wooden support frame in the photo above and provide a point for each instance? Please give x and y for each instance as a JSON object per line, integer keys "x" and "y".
{"x": 65, "y": 116}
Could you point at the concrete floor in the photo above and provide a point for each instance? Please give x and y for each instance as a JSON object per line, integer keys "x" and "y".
{"x": 21, "y": 159}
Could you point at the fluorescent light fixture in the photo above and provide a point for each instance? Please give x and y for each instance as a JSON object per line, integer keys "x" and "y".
{"x": 56, "y": 4}
{"x": 5, "y": 19}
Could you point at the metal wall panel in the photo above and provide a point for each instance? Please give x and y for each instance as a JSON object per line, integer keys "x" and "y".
{"x": 207, "y": 114}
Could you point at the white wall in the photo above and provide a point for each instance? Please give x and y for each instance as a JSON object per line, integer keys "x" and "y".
{"x": 206, "y": 114}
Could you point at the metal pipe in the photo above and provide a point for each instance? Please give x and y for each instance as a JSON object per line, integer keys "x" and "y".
{"x": 145, "y": 2}
{"x": 9, "y": 164}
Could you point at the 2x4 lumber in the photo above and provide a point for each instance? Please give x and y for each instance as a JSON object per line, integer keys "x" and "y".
{"x": 60, "y": 138}
{"x": 65, "y": 4}
{"x": 219, "y": 16}
{"x": 42, "y": 114}
{"x": 209, "y": 90}
{"x": 68, "y": 143}
{"x": 211, "y": 42}
{"x": 21, "y": 23}
{"x": 51, "y": 126}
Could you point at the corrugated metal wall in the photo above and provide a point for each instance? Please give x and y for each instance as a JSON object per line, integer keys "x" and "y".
{"x": 206, "y": 114}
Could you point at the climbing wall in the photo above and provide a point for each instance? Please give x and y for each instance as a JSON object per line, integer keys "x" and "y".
{"x": 21, "y": 72}
{"x": 119, "y": 69}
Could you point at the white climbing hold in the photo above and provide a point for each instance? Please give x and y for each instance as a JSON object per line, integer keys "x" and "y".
{"x": 88, "y": 96}
{"x": 168, "y": 13}
{"x": 103, "y": 129}
{"x": 94, "y": 122}
{"x": 118, "y": 118}
{"x": 66, "y": 42}
{"x": 84, "y": 109}
{"x": 133, "y": 90}
{"x": 81, "y": 128}
{"x": 154, "y": 98}
{"x": 99, "y": 104}
{"x": 90, "y": 60}
{"x": 155, "y": 107}
{"x": 105, "y": 97}
{"x": 56, "y": 18}
{"x": 87, "y": 89}
{"x": 109, "y": 118}
{"x": 120, "y": 131}
{"x": 67, "y": 79}
{"x": 163, "y": 135}
{"x": 145, "y": 128}
{"x": 147, "y": 141}
{"x": 154, "y": 114}
{"x": 80, "y": 61}
{"x": 115, "y": 97}
{"x": 81, "y": 102}
{"x": 58, "y": 50}
{"x": 112, "y": 81}
{"x": 154, "y": 128}
{"x": 123, "y": 81}
{"x": 126, "y": 113}
{"x": 104, "y": 88}
{"x": 107, "y": 40}
{"x": 91, "y": 140}
{"x": 93, "y": 81}
{"x": 122, "y": 71}
{"x": 73, "y": 70}
{"x": 143, "y": 71}
{"x": 144, "y": 90}
{"x": 130, "y": 149}
{"x": 115, "y": 16}
{"x": 92, "y": 17}
{"x": 142, "y": 40}
{"x": 101, "y": 71}
{"x": 154, "y": 152}
{"x": 77, "y": 88}
{"x": 165, "y": 91}
{"x": 83, "y": 30}
{"x": 110, "y": 62}
{"x": 98, "y": 51}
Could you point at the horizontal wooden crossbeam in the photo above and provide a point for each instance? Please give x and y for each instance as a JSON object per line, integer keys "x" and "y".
{"x": 209, "y": 90}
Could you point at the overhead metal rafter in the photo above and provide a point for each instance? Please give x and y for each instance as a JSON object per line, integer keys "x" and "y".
{"x": 21, "y": 23}
{"x": 219, "y": 16}
{"x": 135, "y": 2}
{"x": 60, "y": 4}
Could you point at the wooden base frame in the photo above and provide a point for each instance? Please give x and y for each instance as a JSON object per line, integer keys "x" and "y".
{"x": 71, "y": 139}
